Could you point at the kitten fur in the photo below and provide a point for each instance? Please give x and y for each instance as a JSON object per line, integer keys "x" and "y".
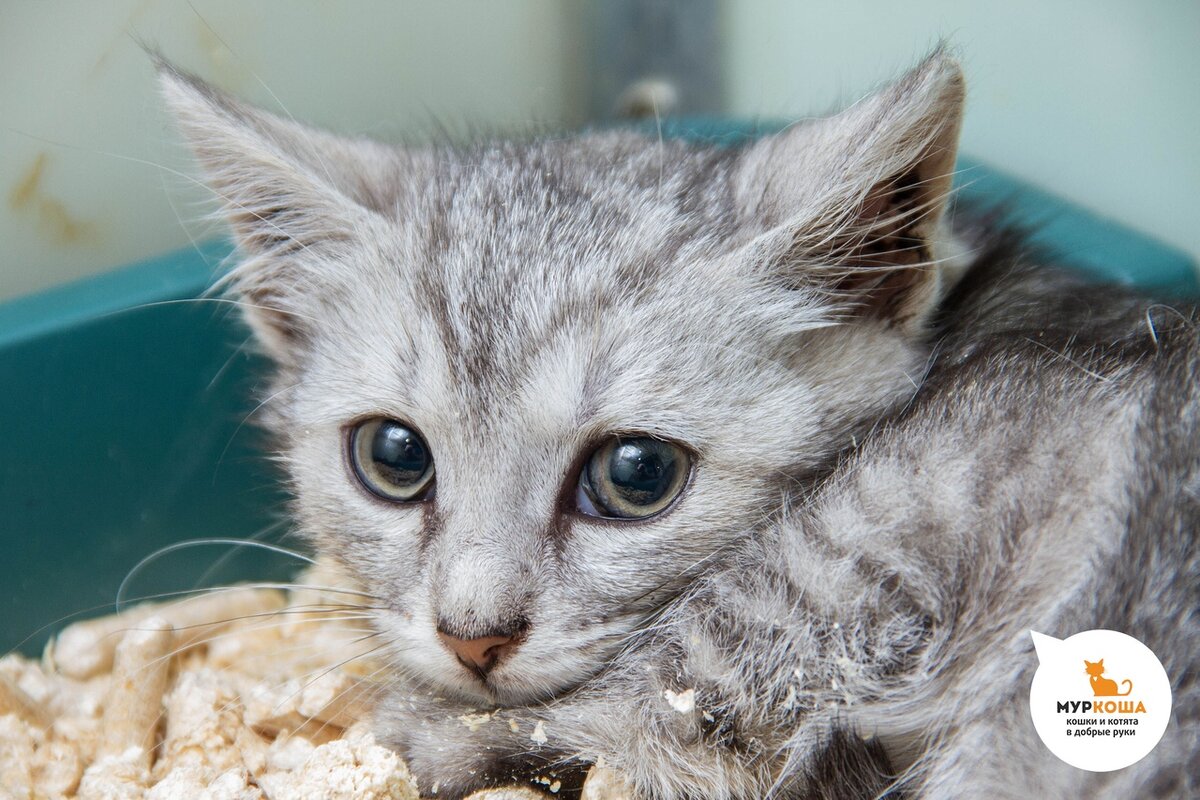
{"x": 913, "y": 440}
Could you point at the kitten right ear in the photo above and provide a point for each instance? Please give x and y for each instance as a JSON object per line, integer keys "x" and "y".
{"x": 294, "y": 197}
{"x": 852, "y": 203}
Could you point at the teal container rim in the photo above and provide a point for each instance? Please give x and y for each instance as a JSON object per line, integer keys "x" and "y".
{"x": 161, "y": 278}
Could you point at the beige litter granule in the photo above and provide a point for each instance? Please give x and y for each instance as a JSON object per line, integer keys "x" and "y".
{"x": 241, "y": 694}
{"x": 514, "y": 793}
{"x": 605, "y": 784}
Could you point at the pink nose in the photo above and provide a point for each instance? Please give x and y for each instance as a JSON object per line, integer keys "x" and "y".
{"x": 477, "y": 654}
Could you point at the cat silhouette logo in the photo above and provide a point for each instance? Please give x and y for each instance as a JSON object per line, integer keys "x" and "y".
{"x": 1109, "y": 722}
{"x": 1101, "y": 686}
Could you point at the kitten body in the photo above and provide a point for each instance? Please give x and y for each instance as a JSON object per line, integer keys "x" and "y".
{"x": 1044, "y": 477}
{"x": 910, "y": 445}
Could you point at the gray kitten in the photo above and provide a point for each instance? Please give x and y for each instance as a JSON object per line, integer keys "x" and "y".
{"x": 743, "y": 471}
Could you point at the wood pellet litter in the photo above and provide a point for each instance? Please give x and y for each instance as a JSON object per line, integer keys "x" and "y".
{"x": 245, "y": 694}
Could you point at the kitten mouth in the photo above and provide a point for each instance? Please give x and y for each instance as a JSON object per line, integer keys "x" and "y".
{"x": 478, "y": 688}
{"x": 476, "y": 683}
{"x": 479, "y": 673}
{"x": 498, "y": 690}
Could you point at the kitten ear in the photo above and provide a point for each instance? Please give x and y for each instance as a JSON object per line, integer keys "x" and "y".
{"x": 854, "y": 202}
{"x": 294, "y": 197}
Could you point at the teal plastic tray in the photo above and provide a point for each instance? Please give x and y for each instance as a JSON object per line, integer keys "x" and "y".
{"x": 127, "y": 416}
{"x": 123, "y": 405}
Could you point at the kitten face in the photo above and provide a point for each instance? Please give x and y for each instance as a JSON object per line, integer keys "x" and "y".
{"x": 519, "y": 305}
{"x": 516, "y": 347}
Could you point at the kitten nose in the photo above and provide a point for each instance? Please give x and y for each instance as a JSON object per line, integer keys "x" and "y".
{"x": 479, "y": 654}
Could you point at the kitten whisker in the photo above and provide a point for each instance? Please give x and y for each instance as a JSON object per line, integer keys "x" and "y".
{"x": 369, "y": 697}
{"x": 1069, "y": 360}
{"x": 227, "y": 556}
{"x": 214, "y": 300}
{"x": 327, "y": 670}
{"x": 186, "y": 646}
{"x": 190, "y": 543}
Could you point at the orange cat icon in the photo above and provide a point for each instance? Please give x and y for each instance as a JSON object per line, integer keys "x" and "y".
{"x": 1104, "y": 687}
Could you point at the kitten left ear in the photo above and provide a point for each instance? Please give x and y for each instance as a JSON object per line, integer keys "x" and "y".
{"x": 294, "y": 196}
{"x": 853, "y": 203}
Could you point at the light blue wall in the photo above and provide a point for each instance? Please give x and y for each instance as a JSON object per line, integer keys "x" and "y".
{"x": 1097, "y": 100}
{"x": 91, "y": 173}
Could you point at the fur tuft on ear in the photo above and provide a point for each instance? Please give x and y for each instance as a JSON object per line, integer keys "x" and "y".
{"x": 852, "y": 204}
{"x": 294, "y": 197}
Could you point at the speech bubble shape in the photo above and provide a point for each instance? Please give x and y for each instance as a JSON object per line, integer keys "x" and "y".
{"x": 1100, "y": 700}
{"x": 1047, "y": 647}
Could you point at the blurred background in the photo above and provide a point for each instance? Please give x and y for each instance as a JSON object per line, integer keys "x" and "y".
{"x": 127, "y": 407}
{"x": 1097, "y": 100}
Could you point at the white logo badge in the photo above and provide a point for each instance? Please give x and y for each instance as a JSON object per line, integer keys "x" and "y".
{"x": 1100, "y": 700}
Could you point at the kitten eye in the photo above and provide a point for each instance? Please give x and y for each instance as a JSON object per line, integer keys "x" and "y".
{"x": 631, "y": 478}
{"x": 391, "y": 460}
